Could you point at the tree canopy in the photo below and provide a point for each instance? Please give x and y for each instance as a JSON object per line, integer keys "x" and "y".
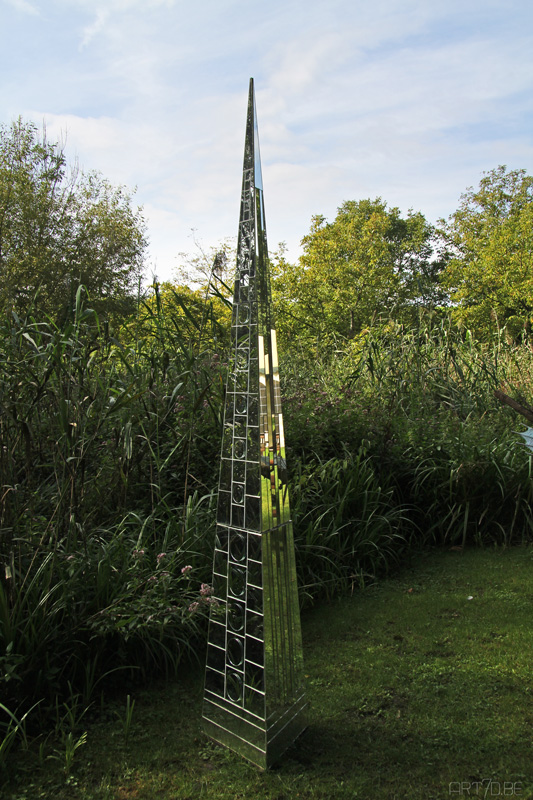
{"x": 490, "y": 274}
{"x": 60, "y": 228}
{"x": 369, "y": 262}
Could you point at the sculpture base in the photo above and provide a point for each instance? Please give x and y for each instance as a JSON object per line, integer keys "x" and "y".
{"x": 261, "y": 742}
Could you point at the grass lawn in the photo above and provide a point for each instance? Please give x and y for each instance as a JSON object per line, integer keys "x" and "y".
{"x": 420, "y": 687}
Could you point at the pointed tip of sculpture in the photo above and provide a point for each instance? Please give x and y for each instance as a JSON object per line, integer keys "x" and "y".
{"x": 252, "y": 135}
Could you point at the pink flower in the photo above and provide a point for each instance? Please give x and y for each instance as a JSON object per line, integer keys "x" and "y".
{"x": 193, "y": 607}
{"x": 206, "y": 590}
{"x": 160, "y": 557}
{"x": 185, "y": 570}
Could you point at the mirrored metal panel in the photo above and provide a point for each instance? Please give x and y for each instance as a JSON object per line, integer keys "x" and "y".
{"x": 254, "y": 700}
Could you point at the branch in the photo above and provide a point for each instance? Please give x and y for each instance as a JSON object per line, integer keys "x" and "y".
{"x": 526, "y": 412}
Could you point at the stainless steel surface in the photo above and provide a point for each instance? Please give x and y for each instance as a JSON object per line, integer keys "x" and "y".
{"x": 254, "y": 700}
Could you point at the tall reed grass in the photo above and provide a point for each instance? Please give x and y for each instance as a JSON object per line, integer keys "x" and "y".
{"x": 109, "y": 455}
{"x": 421, "y": 403}
{"x": 109, "y": 447}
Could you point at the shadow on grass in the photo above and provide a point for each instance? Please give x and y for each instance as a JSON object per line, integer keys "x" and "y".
{"x": 414, "y": 695}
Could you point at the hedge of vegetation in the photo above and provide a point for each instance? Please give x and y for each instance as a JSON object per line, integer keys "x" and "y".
{"x": 109, "y": 463}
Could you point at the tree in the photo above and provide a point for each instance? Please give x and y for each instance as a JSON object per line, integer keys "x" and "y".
{"x": 369, "y": 262}
{"x": 60, "y": 227}
{"x": 490, "y": 276}
{"x": 208, "y": 268}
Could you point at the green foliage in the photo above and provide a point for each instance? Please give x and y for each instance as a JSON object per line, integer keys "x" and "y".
{"x": 349, "y": 526}
{"x": 110, "y": 460}
{"x": 434, "y": 687}
{"x": 370, "y": 262}
{"x": 118, "y": 603}
{"x": 128, "y": 718}
{"x": 197, "y": 317}
{"x": 490, "y": 276}
{"x": 11, "y": 730}
{"x": 207, "y": 268}
{"x": 93, "y": 427}
{"x": 60, "y": 228}
{"x": 105, "y": 446}
{"x": 110, "y": 440}
{"x": 419, "y": 403}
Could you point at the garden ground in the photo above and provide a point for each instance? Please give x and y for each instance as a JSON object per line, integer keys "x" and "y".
{"x": 420, "y": 688}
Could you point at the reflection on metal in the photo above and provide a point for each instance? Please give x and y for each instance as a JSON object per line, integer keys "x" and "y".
{"x": 254, "y": 700}
{"x": 528, "y": 437}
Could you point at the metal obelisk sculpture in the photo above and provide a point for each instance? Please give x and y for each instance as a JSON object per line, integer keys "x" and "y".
{"x": 254, "y": 700}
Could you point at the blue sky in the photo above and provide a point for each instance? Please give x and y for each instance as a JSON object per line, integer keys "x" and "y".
{"x": 408, "y": 100}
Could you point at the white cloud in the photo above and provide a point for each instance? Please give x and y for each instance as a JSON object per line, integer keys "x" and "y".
{"x": 305, "y": 63}
{"x": 90, "y": 31}
{"x": 404, "y": 99}
{"x": 25, "y": 6}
